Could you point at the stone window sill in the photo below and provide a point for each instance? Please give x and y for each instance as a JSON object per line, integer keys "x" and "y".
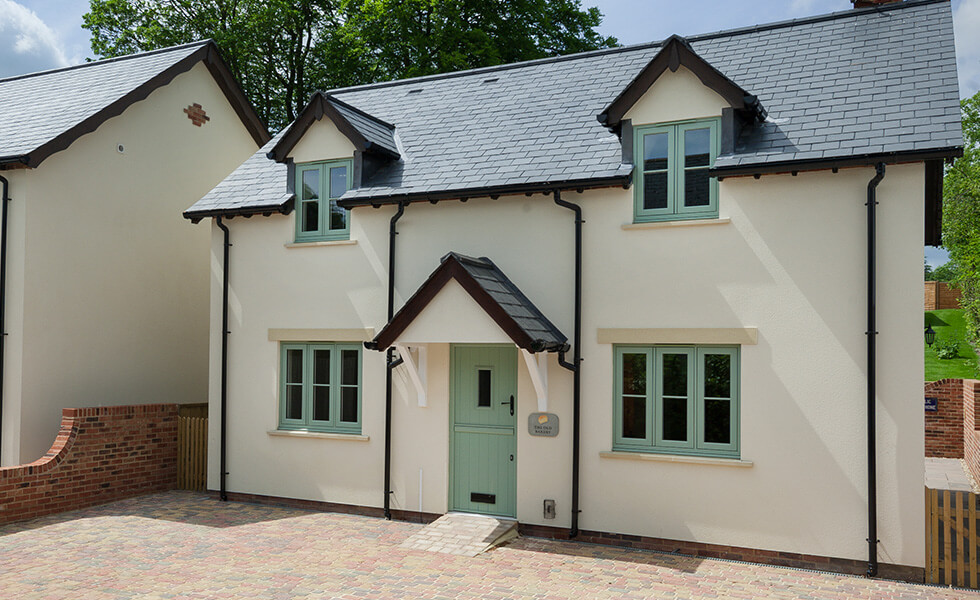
{"x": 678, "y": 458}
{"x": 322, "y": 243}
{"x": 319, "y": 435}
{"x": 669, "y": 224}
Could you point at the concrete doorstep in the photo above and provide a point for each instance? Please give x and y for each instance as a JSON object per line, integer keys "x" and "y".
{"x": 463, "y": 534}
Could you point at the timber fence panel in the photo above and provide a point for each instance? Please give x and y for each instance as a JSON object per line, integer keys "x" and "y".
{"x": 192, "y": 444}
{"x": 951, "y": 538}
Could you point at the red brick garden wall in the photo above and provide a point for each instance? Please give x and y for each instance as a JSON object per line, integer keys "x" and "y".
{"x": 100, "y": 455}
{"x": 951, "y": 432}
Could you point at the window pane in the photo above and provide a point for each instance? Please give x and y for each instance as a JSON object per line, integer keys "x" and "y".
{"x": 338, "y": 216}
{"x": 311, "y": 216}
{"x": 634, "y": 417}
{"x": 348, "y": 367}
{"x": 654, "y": 151}
{"x": 338, "y": 181}
{"x": 348, "y": 404}
{"x": 717, "y": 422}
{"x": 696, "y": 188}
{"x": 635, "y": 374}
{"x": 294, "y": 366}
{"x": 697, "y": 147}
{"x": 311, "y": 185}
{"x": 321, "y": 366}
{"x": 675, "y": 374}
{"x": 654, "y": 190}
{"x": 483, "y": 388}
{"x": 675, "y": 419}
{"x": 294, "y": 401}
{"x": 321, "y": 403}
{"x": 717, "y": 376}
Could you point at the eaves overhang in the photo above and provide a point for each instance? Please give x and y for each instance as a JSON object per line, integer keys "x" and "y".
{"x": 267, "y": 210}
{"x": 860, "y": 160}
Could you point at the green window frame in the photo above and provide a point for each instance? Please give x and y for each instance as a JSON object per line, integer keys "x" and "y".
{"x": 320, "y": 387}
{"x": 671, "y": 179}
{"x": 677, "y": 400}
{"x": 318, "y": 186}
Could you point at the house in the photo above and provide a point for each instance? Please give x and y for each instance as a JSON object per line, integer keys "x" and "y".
{"x": 620, "y": 296}
{"x": 104, "y": 288}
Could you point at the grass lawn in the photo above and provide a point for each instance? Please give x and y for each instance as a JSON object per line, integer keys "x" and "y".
{"x": 949, "y": 324}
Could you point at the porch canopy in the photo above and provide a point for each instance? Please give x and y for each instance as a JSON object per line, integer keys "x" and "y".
{"x": 497, "y": 295}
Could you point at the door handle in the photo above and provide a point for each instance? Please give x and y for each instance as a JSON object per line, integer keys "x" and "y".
{"x": 511, "y": 402}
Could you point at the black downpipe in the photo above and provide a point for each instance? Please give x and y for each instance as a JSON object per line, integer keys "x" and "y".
{"x": 224, "y": 354}
{"x": 390, "y": 361}
{"x": 576, "y": 365}
{"x": 871, "y": 333}
{"x": 5, "y": 198}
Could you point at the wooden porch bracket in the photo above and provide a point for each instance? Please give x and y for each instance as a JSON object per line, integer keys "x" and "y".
{"x": 538, "y": 369}
{"x": 416, "y": 370}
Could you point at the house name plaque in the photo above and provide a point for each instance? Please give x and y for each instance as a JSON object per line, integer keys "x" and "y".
{"x": 543, "y": 424}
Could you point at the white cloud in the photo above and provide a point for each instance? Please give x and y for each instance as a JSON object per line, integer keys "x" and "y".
{"x": 26, "y": 43}
{"x": 966, "y": 25}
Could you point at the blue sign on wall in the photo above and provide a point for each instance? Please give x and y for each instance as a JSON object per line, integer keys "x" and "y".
{"x": 932, "y": 404}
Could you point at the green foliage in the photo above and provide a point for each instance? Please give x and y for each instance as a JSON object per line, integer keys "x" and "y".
{"x": 947, "y": 349}
{"x": 928, "y": 270}
{"x": 946, "y": 272}
{"x": 961, "y": 218}
{"x": 949, "y": 324}
{"x": 281, "y": 51}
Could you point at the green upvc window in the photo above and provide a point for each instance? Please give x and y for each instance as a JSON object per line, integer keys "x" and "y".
{"x": 671, "y": 176}
{"x": 677, "y": 400}
{"x": 320, "y": 387}
{"x": 318, "y": 186}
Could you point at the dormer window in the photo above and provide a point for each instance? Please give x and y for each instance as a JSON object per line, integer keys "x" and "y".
{"x": 318, "y": 186}
{"x": 671, "y": 171}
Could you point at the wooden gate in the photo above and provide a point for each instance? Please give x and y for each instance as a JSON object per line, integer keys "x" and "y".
{"x": 192, "y": 448}
{"x": 951, "y": 538}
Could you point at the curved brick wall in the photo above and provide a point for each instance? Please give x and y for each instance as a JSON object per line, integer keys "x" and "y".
{"x": 100, "y": 455}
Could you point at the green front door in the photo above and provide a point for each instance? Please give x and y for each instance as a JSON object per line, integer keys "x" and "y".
{"x": 483, "y": 475}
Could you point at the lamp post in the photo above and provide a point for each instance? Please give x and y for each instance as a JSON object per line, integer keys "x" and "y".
{"x": 930, "y": 334}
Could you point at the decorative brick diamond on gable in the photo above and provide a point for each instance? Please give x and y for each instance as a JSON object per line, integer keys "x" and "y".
{"x": 196, "y": 114}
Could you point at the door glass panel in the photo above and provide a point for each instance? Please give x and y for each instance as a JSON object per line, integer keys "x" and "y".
{"x": 696, "y": 188}
{"x": 311, "y": 216}
{"x": 483, "y": 396}
{"x": 294, "y": 366}
{"x": 697, "y": 147}
{"x": 654, "y": 151}
{"x": 634, "y": 417}
{"x": 311, "y": 185}
{"x": 338, "y": 216}
{"x": 635, "y": 374}
{"x": 348, "y": 404}
{"x": 717, "y": 376}
{"x": 655, "y": 190}
{"x": 348, "y": 367}
{"x": 321, "y": 403}
{"x": 717, "y": 422}
{"x": 338, "y": 181}
{"x": 294, "y": 401}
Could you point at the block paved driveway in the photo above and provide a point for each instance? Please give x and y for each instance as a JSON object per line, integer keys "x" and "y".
{"x": 182, "y": 545}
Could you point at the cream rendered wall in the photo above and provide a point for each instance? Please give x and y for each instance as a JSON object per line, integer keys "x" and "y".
{"x": 322, "y": 141}
{"x": 19, "y": 181}
{"x": 116, "y": 284}
{"x": 791, "y": 262}
{"x": 660, "y": 103}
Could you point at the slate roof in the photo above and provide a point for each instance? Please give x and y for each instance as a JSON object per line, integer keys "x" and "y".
{"x": 862, "y": 84}
{"x": 41, "y": 113}
{"x": 503, "y": 301}
{"x": 374, "y": 130}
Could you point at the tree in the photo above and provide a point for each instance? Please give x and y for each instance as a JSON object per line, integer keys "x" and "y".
{"x": 945, "y": 272}
{"x": 283, "y": 50}
{"x": 928, "y": 270}
{"x": 961, "y": 217}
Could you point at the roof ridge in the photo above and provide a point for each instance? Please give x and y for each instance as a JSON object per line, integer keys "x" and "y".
{"x": 833, "y": 16}
{"x": 108, "y": 60}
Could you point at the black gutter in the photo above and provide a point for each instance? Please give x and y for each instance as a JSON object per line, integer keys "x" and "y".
{"x": 248, "y": 211}
{"x": 493, "y": 191}
{"x": 860, "y": 160}
{"x": 390, "y": 361}
{"x": 224, "y": 354}
{"x": 5, "y": 198}
{"x": 871, "y": 333}
{"x": 576, "y": 365}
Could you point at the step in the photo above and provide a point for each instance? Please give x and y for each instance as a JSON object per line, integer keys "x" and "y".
{"x": 463, "y": 534}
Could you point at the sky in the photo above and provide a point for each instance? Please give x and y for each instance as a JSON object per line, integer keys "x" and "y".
{"x": 45, "y": 34}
